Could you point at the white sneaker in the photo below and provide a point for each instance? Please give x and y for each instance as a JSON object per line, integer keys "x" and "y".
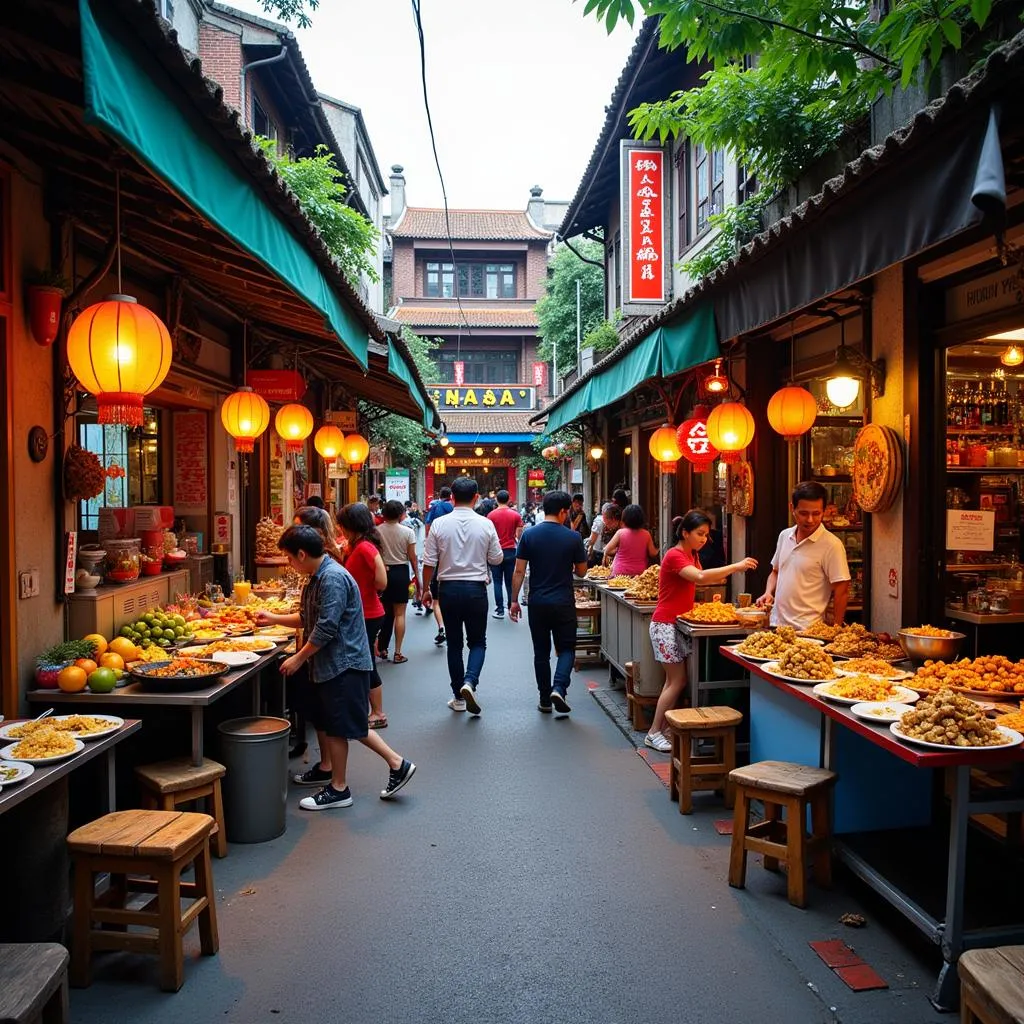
{"x": 656, "y": 741}
{"x": 457, "y": 704}
{"x": 468, "y": 694}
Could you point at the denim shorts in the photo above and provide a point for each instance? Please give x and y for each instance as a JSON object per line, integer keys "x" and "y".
{"x": 670, "y": 646}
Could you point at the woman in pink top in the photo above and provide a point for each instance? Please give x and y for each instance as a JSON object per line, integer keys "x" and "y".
{"x": 632, "y": 545}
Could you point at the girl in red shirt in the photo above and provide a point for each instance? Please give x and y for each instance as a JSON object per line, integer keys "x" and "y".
{"x": 677, "y": 582}
{"x": 365, "y": 563}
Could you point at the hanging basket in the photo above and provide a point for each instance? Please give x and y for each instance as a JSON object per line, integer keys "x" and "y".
{"x": 84, "y": 476}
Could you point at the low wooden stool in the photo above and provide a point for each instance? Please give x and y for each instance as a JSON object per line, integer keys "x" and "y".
{"x": 158, "y": 845}
{"x": 992, "y": 985}
{"x": 33, "y": 983}
{"x": 782, "y": 786}
{"x": 638, "y": 704}
{"x": 167, "y": 785}
{"x": 690, "y": 772}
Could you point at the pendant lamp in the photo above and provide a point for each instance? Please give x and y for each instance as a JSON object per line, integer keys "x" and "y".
{"x": 245, "y": 416}
{"x": 792, "y": 411}
{"x": 293, "y": 423}
{"x": 730, "y": 429}
{"x": 328, "y": 441}
{"x": 692, "y": 438}
{"x": 354, "y": 450}
{"x": 664, "y": 448}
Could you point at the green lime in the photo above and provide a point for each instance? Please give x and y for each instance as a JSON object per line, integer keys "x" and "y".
{"x": 179, "y": 620}
{"x": 163, "y": 642}
{"x": 126, "y": 631}
{"x": 148, "y": 618}
{"x": 179, "y": 631}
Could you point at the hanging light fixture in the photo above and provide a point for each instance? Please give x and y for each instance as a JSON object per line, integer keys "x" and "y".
{"x": 692, "y": 438}
{"x": 851, "y": 367}
{"x": 664, "y": 448}
{"x": 596, "y": 452}
{"x": 245, "y": 416}
{"x": 792, "y": 410}
{"x": 118, "y": 350}
{"x": 450, "y": 450}
{"x": 328, "y": 441}
{"x": 627, "y": 450}
{"x": 478, "y": 451}
{"x": 354, "y": 450}
{"x": 730, "y": 429}
{"x": 1013, "y": 355}
{"x": 293, "y": 423}
{"x": 497, "y": 449}
{"x": 718, "y": 382}
{"x": 443, "y": 440}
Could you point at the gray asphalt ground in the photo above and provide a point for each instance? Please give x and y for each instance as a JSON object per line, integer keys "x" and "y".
{"x": 534, "y": 870}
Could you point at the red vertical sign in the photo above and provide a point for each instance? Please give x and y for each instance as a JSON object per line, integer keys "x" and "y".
{"x": 645, "y": 260}
{"x": 460, "y": 373}
{"x": 538, "y": 374}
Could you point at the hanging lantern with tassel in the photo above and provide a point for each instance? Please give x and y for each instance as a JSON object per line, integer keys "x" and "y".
{"x": 293, "y": 423}
{"x": 692, "y": 438}
{"x": 328, "y": 442}
{"x": 730, "y": 429}
{"x": 664, "y": 448}
{"x": 792, "y": 412}
{"x": 245, "y": 416}
{"x": 355, "y": 450}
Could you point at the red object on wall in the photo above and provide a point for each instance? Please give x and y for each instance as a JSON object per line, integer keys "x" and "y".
{"x": 428, "y": 485}
{"x": 692, "y": 438}
{"x": 539, "y": 373}
{"x": 460, "y": 373}
{"x": 645, "y": 261}
{"x": 277, "y": 386}
{"x": 44, "y": 312}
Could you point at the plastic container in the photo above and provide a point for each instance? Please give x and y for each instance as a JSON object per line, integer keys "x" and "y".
{"x": 255, "y": 753}
{"x": 123, "y": 563}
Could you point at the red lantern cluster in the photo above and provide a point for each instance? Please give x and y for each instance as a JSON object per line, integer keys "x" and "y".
{"x": 694, "y": 443}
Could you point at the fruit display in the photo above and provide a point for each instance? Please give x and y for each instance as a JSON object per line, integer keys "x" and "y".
{"x": 806, "y": 661}
{"x": 157, "y": 627}
{"x": 991, "y": 673}
{"x": 103, "y": 680}
{"x": 645, "y": 586}
{"x": 951, "y": 719}
{"x": 769, "y": 644}
{"x": 52, "y": 661}
{"x": 599, "y": 572}
{"x": 711, "y": 613}
{"x": 268, "y": 533}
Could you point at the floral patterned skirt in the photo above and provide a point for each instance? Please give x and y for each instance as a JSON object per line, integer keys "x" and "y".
{"x": 670, "y": 646}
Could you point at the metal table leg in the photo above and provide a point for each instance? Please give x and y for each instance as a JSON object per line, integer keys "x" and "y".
{"x": 693, "y": 671}
{"x": 197, "y": 735}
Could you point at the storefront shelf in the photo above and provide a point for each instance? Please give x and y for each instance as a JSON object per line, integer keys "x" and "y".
{"x": 989, "y": 470}
{"x": 977, "y": 567}
{"x": 836, "y": 478}
{"x": 981, "y": 431}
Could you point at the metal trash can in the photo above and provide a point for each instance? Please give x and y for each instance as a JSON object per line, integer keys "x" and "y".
{"x": 255, "y": 754}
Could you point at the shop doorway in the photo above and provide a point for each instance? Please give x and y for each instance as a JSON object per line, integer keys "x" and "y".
{"x": 493, "y": 478}
{"x": 8, "y": 573}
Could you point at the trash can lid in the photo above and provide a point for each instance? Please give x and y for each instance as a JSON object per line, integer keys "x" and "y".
{"x": 263, "y": 727}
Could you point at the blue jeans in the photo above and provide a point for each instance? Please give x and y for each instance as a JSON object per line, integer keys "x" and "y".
{"x": 464, "y": 607}
{"x": 557, "y": 621}
{"x": 503, "y": 572}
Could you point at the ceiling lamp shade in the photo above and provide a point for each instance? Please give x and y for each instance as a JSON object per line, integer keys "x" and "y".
{"x": 1013, "y": 356}
{"x": 355, "y": 449}
{"x": 120, "y": 352}
{"x": 692, "y": 438}
{"x": 450, "y": 449}
{"x": 664, "y": 448}
{"x": 328, "y": 441}
{"x": 792, "y": 412}
{"x": 843, "y": 384}
{"x": 245, "y": 416}
{"x": 293, "y": 423}
{"x": 717, "y": 383}
{"x": 596, "y": 452}
{"x": 730, "y": 429}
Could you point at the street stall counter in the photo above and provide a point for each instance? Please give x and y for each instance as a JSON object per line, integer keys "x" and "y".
{"x": 625, "y": 637}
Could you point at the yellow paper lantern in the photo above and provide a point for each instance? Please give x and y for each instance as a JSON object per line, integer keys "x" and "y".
{"x": 245, "y": 416}
{"x": 328, "y": 442}
{"x": 664, "y": 448}
{"x": 293, "y": 423}
{"x": 478, "y": 451}
{"x": 730, "y": 429}
{"x": 120, "y": 352}
{"x": 792, "y": 412}
{"x": 355, "y": 449}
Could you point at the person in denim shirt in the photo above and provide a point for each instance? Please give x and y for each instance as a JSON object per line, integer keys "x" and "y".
{"x": 331, "y": 617}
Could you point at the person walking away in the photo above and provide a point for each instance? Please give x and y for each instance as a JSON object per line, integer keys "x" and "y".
{"x": 809, "y": 567}
{"x": 577, "y": 518}
{"x": 442, "y": 507}
{"x": 602, "y": 530}
{"x": 553, "y": 554}
{"x": 339, "y": 654}
{"x": 367, "y": 567}
{"x": 461, "y": 547}
{"x": 398, "y": 549}
{"x": 509, "y": 524}
{"x": 632, "y": 545}
{"x": 680, "y": 574}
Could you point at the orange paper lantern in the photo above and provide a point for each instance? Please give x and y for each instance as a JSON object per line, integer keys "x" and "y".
{"x": 792, "y": 412}
{"x": 730, "y": 429}
{"x": 328, "y": 442}
{"x": 355, "y": 449}
{"x": 245, "y": 416}
{"x": 293, "y": 423}
{"x": 120, "y": 352}
{"x": 665, "y": 448}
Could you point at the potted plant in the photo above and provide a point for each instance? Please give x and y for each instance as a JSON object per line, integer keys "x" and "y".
{"x": 45, "y": 290}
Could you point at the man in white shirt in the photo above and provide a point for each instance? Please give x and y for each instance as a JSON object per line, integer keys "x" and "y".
{"x": 809, "y": 566}
{"x": 462, "y": 547}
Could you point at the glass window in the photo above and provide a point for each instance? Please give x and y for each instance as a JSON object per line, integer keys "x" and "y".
{"x": 261, "y": 123}
{"x": 481, "y": 367}
{"x": 440, "y": 282}
{"x": 683, "y": 196}
{"x": 501, "y": 281}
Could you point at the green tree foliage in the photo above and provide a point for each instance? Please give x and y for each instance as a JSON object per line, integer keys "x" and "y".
{"x": 556, "y": 310}
{"x": 736, "y": 226}
{"x": 604, "y": 336}
{"x": 320, "y": 189}
{"x": 300, "y": 10}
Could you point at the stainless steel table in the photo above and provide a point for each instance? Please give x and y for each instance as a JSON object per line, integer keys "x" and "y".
{"x": 698, "y": 637}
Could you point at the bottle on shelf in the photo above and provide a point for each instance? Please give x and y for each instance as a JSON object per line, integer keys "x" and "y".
{"x": 984, "y": 405}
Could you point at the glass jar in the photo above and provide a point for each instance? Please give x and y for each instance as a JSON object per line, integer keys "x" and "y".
{"x": 123, "y": 560}
{"x": 977, "y": 600}
{"x": 999, "y": 602}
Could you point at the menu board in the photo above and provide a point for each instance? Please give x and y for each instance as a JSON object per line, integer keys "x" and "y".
{"x": 191, "y": 463}
{"x": 970, "y": 529}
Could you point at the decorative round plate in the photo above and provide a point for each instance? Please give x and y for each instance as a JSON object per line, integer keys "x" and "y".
{"x": 1014, "y": 739}
{"x": 897, "y": 674}
{"x": 877, "y": 467}
{"x": 111, "y": 724}
{"x": 741, "y": 489}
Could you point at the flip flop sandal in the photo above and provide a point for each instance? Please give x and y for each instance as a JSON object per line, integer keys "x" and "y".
{"x": 399, "y": 659}
{"x": 378, "y": 723}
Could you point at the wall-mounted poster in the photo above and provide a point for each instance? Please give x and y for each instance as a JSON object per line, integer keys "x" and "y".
{"x": 191, "y": 463}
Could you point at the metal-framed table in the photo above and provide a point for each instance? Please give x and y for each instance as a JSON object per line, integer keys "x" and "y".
{"x": 699, "y": 636}
{"x": 45, "y": 775}
{"x": 834, "y": 751}
{"x": 197, "y": 701}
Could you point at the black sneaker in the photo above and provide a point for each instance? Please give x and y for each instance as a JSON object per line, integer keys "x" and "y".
{"x": 397, "y": 778}
{"x": 440, "y": 638}
{"x": 544, "y": 707}
{"x": 315, "y": 776}
{"x": 560, "y": 704}
{"x": 327, "y": 797}
{"x": 498, "y": 613}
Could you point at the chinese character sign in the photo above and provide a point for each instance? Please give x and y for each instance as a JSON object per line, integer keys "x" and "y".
{"x": 538, "y": 374}
{"x": 644, "y": 263}
{"x": 460, "y": 373}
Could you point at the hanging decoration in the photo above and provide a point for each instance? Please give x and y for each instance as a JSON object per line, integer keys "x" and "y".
{"x": 328, "y": 442}
{"x": 664, "y": 448}
{"x": 355, "y": 450}
{"x": 730, "y": 429}
{"x": 792, "y": 411}
{"x": 293, "y": 423}
{"x": 245, "y": 416}
{"x": 693, "y": 442}
{"x": 718, "y": 382}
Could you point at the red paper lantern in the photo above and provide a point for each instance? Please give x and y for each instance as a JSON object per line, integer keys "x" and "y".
{"x": 693, "y": 441}
{"x": 730, "y": 429}
{"x": 792, "y": 411}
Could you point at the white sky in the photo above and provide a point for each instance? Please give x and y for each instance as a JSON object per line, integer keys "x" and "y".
{"x": 517, "y": 90}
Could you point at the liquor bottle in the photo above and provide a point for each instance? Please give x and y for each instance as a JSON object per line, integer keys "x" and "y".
{"x": 1004, "y": 405}
{"x": 984, "y": 406}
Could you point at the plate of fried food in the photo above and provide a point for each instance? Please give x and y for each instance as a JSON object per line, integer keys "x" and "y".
{"x": 859, "y": 689}
{"x": 598, "y": 572}
{"x": 620, "y": 582}
{"x": 877, "y": 667}
{"x": 949, "y": 721}
{"x": 43, "y": 746}
{"x": 86, "y": 727}
{"x": 279, "y": 634}
{"x": 243, "y": 645}
{"x": 178, "y": 674}
{"x": 806, "y": 663}
{"x": 711, "y": 613}
{"x": 768, "y": 645}
{"x": 988, "y": 676}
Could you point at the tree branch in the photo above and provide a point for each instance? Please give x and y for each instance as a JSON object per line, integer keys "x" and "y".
{"x": 578, "y": 254}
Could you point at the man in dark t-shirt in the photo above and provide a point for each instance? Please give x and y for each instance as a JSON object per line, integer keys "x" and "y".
{"x": 553, "y": 554}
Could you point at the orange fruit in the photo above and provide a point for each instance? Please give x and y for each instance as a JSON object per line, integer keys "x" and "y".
{"x": 99, "y": 643}
{"x": 111, "y": 660}
{"x": 87, "y": 664}
{"x": 72, "y": 679}
{"x": 123, "y": 646}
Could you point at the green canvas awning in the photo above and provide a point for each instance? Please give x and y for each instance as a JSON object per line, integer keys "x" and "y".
{"x": 132, "y": 102}
{"x": 663, "y": 353}
{"x": 398, "y": 367}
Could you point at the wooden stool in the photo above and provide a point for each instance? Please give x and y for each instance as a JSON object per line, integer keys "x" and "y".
{"x": 638, "y": 703}
{"x": 167, "y": 785}
{"x": 159, "y": 845}
{"x": 588, "y": 632}
{"x": 992, "y": 985}
{"x": 33, "y": 983}
{"x": 780, "y": 786}
{"x": 689, "y": 772}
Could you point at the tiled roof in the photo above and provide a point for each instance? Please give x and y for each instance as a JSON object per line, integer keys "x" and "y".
{"x": 431, "y": 316}
{"x": 469, "y": 225}
{"x": 489, "y": 423}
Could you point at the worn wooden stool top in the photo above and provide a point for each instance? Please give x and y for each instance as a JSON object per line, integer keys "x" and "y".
{"x": 702, "y": 718}
{"x": 158, "y": 835}
{"x": 30, "y": 972}
{"x": 180, "y": 773}
{"x": 783, "y": 777}
{"x": 996, "y": 980}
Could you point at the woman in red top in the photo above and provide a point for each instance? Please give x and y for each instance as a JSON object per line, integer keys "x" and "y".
{"x": 365, "y": 563}
{"x": 680, "y": 574}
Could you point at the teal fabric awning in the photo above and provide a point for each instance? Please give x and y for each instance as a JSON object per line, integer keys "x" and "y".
{"x": 663, "y": 353}
{"x": 128, "y": 99}
{"x": 398, "y": 367}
